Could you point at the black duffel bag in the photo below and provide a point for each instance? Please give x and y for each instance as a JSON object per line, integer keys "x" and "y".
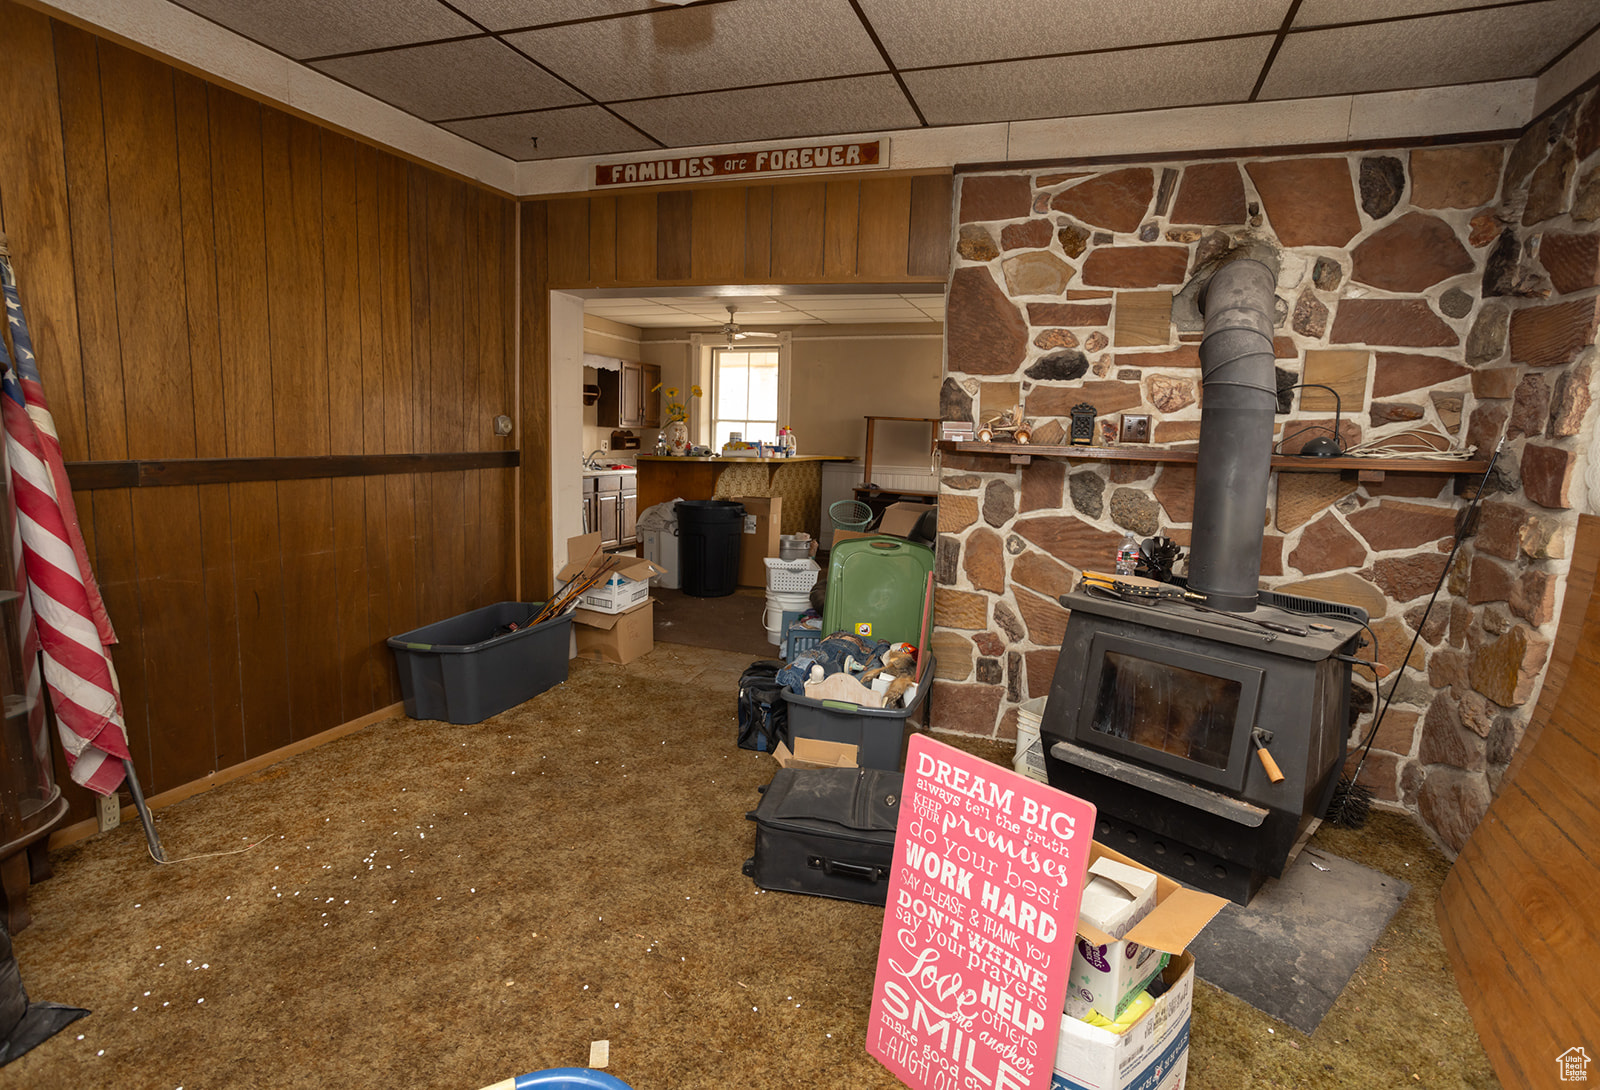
{"x": 763, "y": 716}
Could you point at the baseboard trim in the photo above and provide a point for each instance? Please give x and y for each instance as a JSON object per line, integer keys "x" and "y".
{"x": 82, "y": 830}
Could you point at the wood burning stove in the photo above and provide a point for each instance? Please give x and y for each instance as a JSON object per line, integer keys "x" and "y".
{"x": 1156, "y": 714}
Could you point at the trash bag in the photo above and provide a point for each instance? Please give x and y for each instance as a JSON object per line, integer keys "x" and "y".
{"x": 659, "y": 516}
{"x": 24, "y": 1024}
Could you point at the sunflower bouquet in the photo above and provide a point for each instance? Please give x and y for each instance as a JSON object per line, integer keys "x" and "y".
{"x": 675, "y": 409}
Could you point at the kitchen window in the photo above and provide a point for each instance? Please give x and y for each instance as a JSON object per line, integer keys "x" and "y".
{"x": 745, "y": 385}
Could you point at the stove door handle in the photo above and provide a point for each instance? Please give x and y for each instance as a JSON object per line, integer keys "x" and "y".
{"x": 1274, "y": 773}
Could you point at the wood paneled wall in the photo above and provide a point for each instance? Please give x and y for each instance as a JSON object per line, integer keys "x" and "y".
{"x": 207, "y": 277}
{"x": 847, "y": 230}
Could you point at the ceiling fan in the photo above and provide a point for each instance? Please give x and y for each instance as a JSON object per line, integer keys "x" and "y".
{"x": 732, "y": 333}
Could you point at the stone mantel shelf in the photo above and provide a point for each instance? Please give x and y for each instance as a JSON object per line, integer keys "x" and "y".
{"x": 1370, "y": 469}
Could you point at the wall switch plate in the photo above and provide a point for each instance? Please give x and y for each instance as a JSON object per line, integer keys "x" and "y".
{"x": 1135, "y": 428}
{"x": 108, "y": 812}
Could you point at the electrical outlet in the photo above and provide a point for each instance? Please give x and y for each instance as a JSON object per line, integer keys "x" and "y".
{"x": 1135, "y": 428}
{"x": 108, "y": 811}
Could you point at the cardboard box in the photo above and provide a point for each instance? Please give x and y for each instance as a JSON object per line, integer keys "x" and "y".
{"x": 614, "y": 637}
{"x": 1152, "y": 1055}
{"x": 616, "y": 595}
{"x": 584, "y": 556}
{"x": 1107, "y": 977}
{"x": 1122, "y": 965}
{"x": 816, "y": 753}
{"x": 899, "y": 519}
{"x": 763, "y": 523}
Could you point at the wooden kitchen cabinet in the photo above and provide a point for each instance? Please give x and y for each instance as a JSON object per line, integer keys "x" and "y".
{"x": 629, "y": 398}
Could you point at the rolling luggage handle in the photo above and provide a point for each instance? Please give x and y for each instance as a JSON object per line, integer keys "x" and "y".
{"x": 865, "y": 872}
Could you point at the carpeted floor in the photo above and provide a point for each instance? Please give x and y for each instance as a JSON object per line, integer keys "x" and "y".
{"x": 434, "y": 906}
{"x": 732, "y": 622}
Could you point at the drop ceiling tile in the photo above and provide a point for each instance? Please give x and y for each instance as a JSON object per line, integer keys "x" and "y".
{"x": 832, "y": 107}
{"x": 453, "y": 79}
{"x": 1465, "y": 47}
{"x": 516, "y": 14}
{"x": 1099, "y": 83}
{"x": 317, "y": 28}
{"x": 681, "y": 50}
{"x": 848, "y": 303}
{"x": 1323, "y": 12}
{"x": 917, "y": 33}
{"x": 576, "y": 130}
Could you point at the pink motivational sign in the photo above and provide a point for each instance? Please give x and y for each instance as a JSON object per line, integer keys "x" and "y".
{"x": 979, "y": 928}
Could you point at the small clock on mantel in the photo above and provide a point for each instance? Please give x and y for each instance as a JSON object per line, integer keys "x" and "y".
{"x": 1083, "y": 415}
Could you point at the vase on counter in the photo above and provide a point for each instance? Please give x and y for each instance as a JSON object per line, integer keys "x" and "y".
{"x": 676, "y": 433}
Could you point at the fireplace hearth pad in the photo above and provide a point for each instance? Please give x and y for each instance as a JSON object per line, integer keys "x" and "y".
{"x": 1291, "y": 952}
{"x": 1156, "y": 714}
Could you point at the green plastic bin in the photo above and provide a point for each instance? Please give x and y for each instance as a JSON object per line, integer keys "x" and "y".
{"x": 878, "y": 582}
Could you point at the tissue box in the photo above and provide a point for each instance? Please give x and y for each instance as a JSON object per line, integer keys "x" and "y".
{"x": 1153, "y": 918}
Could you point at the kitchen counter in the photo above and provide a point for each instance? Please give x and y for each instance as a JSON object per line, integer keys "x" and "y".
{"x": 796, "y": 480}
{"x": 745, "y": 458}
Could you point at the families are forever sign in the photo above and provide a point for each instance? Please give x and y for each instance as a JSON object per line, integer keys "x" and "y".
{"x": 978, "y": 932}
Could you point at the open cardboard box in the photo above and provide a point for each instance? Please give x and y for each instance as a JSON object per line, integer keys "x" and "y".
{"x": 1153, "y": 1054}
{"x": 816, "y": 753}
{"x": 585, "y": 555}
{"x": 1167, "y": 929}
{"x": 606, "y": 635}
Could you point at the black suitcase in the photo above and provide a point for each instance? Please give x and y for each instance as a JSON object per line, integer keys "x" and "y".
{"x": 828, "y": 832}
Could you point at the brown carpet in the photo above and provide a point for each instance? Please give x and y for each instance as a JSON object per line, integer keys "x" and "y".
{"x": 433, "y": 906}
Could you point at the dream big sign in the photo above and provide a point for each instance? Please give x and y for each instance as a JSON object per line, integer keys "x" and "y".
{"x": 978, "y": 932}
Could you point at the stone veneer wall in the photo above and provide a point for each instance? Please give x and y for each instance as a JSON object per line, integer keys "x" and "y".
{"x": 1448, "y": 288}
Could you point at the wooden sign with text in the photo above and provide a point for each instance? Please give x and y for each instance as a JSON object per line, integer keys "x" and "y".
{"x": 978, "y": 932}
{"x": 766, "y": 163}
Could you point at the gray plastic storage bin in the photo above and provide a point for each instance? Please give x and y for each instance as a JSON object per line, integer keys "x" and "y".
{"x": 459, "y": 671}
{"x": 879, "y": 734}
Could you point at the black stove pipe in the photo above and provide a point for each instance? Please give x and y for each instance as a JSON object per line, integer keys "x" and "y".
{"x": 1240, "y": 398}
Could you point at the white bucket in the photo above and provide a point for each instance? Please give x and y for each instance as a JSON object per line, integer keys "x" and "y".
{"x": 779, "y": 603}
{"x": 1029, "y": 758}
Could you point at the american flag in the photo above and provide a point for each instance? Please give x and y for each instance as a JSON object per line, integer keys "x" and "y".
{"x": 62, "y": 614}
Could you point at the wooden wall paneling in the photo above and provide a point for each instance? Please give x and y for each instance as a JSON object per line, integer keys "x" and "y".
{"x": 143, "y": 182}
{"x": 636, "y": 237}
{"x": 296, "y": 295}
{"x": 452, "y": 381}
{"x": 34, "y": 213}
{"x": 931, "y": 226}
{"x": 221, "y": 645}
{"x": 798, "y": 211}
{"x": 674, "y": 236}
{"x": 569, "y": 242}
{"x": 758, "y": 233}
{"x": 602, "y": 239}
{"x": 107, "y": 518}
{"x": 885, "y": 231}
{"x": 376, "y": 668}
{"x": 341, "y": 250}
{"x": 399, "y": 405}
{"x": 537, "y": 555}
{"x": 423, "y": 588}
{"x": 84, "y": 148}
{"x": 718, "y": 221}
{"x": 239, "y": 218}
{"x": 841, "y": 230}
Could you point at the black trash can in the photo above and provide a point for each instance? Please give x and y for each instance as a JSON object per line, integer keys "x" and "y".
{"x": 709, "y": 532}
